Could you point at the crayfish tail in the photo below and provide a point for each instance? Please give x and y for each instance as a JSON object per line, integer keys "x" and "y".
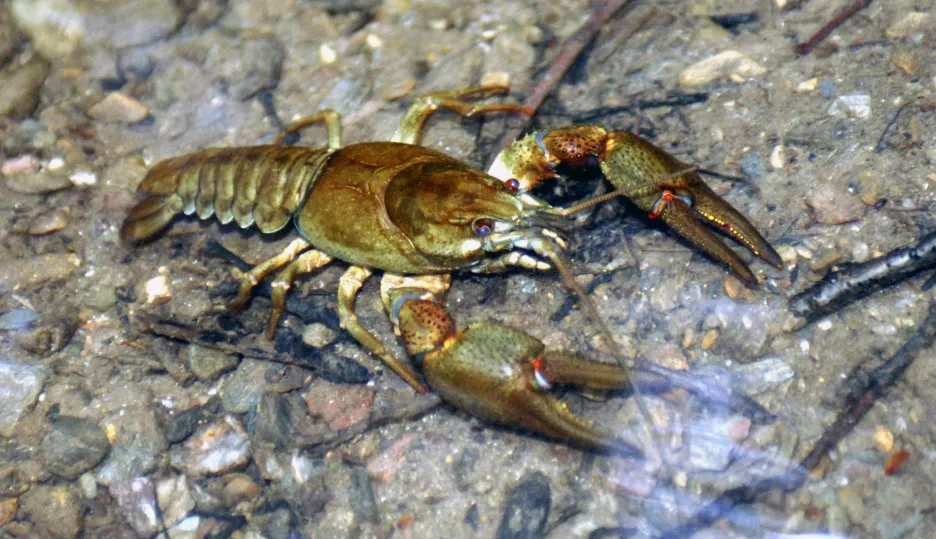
{"x": 147, "y": 218}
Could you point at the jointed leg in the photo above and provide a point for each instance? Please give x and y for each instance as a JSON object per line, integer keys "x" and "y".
{"x": 350, "y": 284}
{"x": 410, "y": 128}
{"x": 257, "y": 274}
{"x": 307, "y": 262}
{"x": 332, "y": 121}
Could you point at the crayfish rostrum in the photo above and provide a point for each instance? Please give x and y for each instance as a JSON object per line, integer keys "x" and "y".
{"x": 417, "y": 215}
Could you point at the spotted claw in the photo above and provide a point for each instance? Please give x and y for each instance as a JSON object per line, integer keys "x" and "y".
{"x": 502, "y": 375}
{"x": 652, "y": 179}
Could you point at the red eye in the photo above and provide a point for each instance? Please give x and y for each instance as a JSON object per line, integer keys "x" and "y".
{"x": 483, "y": 227}
{"x": 513, "y": 185}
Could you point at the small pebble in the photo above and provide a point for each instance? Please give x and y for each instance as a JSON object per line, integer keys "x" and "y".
{"x": 709, "y": 339}
{"x": 20, "y": 384}
{"x": 46, "y": 223}
{"x": 883, "y": 439}
{"x": 56, "y": 511}
{"x": 137, "y": 501}
{"x": 764, "y": 375}
{"x": 669, "y": 356}
{"x": 44, "y": 181}
{"x": 21, "y": 165}
{"x": 787, "y": 253}
{"x": 174, "y": 498}
{"x": 208, "y": 363}
{"x": 318, "y": 335}
{"x": 73, "y": 446}
{"x": 807, "y": 85}
{"x": 118, "y": 108}
{"x": 733, "y": 287}
{"x": 526, "y": 510}
{"x": 731, "y": 64}
{"x": 905, "y": 60}
{"x": 8, "y": 510}
{"x": 778, "y": 157}
{"x": 856, "y": 105}
{"x": 21, "y": 88}
{"x": 339, "y": 405}
{"x": 832, "y": 205}
{"x": 909, "y": 24}
{"x": 215, "y": 448}
{"x": 157, "y": 290}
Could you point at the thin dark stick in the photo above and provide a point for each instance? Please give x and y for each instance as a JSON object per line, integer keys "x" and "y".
{"x": 841, "y": 288}
{"x": 806, "y": 48}
{"x": 567, "y": 55}
{"x": 879, "y": 147}
{"x": 857, "y": 405}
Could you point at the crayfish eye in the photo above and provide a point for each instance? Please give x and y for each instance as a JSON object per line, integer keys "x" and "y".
{"x": 512, "y": 185}
{"x": 483, "y": 227}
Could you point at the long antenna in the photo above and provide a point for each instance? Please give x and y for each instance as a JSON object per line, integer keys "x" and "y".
{"x": 570, "y": 281}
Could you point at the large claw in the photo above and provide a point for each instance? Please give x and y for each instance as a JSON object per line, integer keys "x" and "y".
{"x": 654, "y": 180}
{"x": 503, "y": 375}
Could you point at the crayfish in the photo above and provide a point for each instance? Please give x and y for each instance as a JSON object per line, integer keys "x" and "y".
{"x": 419, "y": 215}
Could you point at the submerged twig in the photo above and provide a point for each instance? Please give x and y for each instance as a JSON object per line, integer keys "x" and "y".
{"x": 856, "y": 406}
{"x": 839, "y": 289}
{"x": 568, "y": 53}
{"x": 829, "y": 27}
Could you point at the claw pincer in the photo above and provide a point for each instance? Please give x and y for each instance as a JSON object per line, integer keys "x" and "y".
{"x": 503, "y": 375}
{"x": 655, "y": 181}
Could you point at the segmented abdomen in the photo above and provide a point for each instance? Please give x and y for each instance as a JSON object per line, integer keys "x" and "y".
{"x": 262, "y": 185}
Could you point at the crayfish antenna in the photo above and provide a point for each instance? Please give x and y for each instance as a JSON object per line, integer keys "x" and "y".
{"x": 626, "y": 365}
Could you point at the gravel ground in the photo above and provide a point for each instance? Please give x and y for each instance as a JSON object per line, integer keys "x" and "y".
{"x": 133, "y": 404}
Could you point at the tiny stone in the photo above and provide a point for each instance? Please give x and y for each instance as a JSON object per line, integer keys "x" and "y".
{"x": 20, "y": 384}
{"x": 526, "y": 510}
{"x": 500, "y": 78}
{"x": 825, "y": 324}
{"x": 137, "y": 500}
{"x": 721, "y": 66}
{"x": 764, "y": 375}
{"x": 44, "y": 181}
{"x": 56, "y": 511}
{"x": 175, "y": 499}
{"x": 20, "y": 165}
{"x": 733, "y": 287}
{"x": 669, "y": 356}
{"x": 689, "y": 337}
{"x": 21, "y": 89}
{"x": 909, "y": 24}
{"x": 827, "y": 88}
{"x": 8, "y": 510}
{"x": 216, "y": 448}
{"x": 832, "y": 205}
{"x": 318, "y": 335}
{"x": 787, "y": 253}
{"x": 118, "y": 108}
{"x": 905, "y": 60}
{"x": 860, "y": 252}
{"x": 46, "y": 223}
{"x": 73, "y": 446}
{"x": 778, "y": 156}
{"x": 883, "y": 439}
{"x": 808, "y": 85}
{"x": 709, "y": 339}
{"x": 208, "y": 363}
{"x": 857, "y": 105}
{"x": 804, "y": 252}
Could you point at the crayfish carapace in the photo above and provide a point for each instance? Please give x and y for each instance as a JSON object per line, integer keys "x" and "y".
{"x": 414, "y": 213}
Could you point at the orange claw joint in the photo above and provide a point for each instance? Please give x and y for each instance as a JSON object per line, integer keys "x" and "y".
{"x": 652, "y": 179}
{"x": 503, "y": 375}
